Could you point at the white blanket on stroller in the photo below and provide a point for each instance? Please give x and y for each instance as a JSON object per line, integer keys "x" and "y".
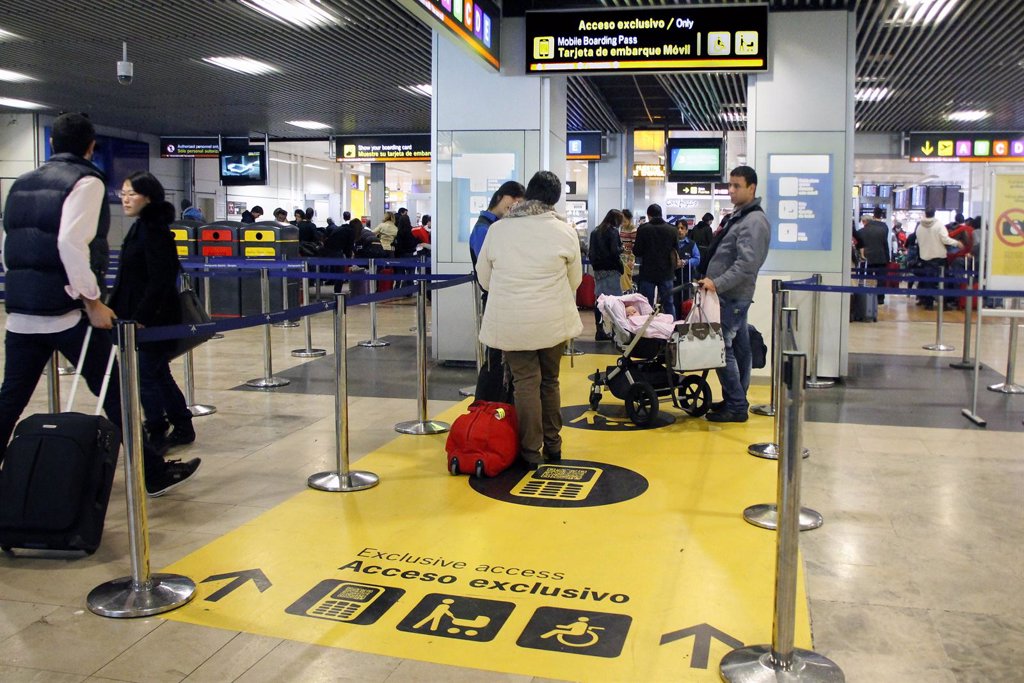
{"x": 629, "y": 312}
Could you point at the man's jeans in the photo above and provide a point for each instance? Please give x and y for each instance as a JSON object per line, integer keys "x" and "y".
{"x": 735, "y": 376}
{"x": 646, "y": 287}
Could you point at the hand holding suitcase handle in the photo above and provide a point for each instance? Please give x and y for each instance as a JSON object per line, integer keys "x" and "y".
{"x": 100, "y": 315}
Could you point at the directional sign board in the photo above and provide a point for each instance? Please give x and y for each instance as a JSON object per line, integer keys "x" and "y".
{"x": 615, "y": 564}
{"x": 966, "y": 147}
{"x": 648, "y": 39}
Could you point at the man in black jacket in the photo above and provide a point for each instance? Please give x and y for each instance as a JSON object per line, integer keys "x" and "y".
{"x": 655, "y": 249}
{"x": 701, "y": 234}
{"x": 873, "y": 244}
{"x": 47, "y": 287}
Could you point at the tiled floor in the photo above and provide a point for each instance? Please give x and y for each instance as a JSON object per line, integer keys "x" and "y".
{"x": 916, "y": 575}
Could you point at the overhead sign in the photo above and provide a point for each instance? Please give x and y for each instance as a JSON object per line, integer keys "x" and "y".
{"x": 475, "y": 24}
{"x": 583, "y": 146}
{"x": 189, "y": 147}
{"x": 383, "y": 148}
{"x": 648, "y": 171}
{"x": 694, "y": 189}
{"x": 648, "y": 39}
{"x": 967, "y": 147}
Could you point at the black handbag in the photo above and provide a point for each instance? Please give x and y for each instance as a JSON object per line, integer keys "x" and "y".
{"x": 193, "y": 314}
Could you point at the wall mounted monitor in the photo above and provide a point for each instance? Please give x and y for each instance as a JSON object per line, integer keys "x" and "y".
{"x": 919, "y": 197}
{"x": 869, "y": 190}
{"x": 936, "y": 197}
{"x": 584, "y": 146}
{"x": 118, "y": 158}
{"x": 248, "y": 167}
{"x": 694, "y": 159}
{"x": 901, "y": 200}
{"x": 951, "y": 198}
{"x": 884, "y": 191}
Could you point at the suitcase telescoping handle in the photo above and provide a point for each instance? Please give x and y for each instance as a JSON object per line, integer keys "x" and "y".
{"x": 78, "y": 374}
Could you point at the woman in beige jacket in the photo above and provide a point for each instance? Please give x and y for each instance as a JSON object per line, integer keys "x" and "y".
{"x": 530, "y": 266}
{"x": 386, "y": 231}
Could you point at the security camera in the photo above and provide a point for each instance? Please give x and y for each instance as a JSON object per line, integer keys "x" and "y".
{"x": 125, "y": 70}
{"x": 124, "y": 73}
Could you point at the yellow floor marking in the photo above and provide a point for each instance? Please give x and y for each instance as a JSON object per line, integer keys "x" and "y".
{"x": 654, "y": 588}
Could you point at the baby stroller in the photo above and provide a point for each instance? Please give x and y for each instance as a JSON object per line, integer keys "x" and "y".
{"x": 645, "y": 373}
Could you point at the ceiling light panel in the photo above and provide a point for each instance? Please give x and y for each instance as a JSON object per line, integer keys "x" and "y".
{"x": 968, "y": 115}
{"x": 20, "y": 104}
{"x": 14, "y": 76}
{"x": 920, "y": 12}
{"x": 301, "y": 13}
{"x": 872, "y": 94}
{"x": 7, "y": 35}
{"x": 243, "y": 65}
{"x": 425, "y": 89}
{"x": 309, "y": 125}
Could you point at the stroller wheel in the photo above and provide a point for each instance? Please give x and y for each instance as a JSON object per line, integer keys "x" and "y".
{"x": 641, "y": 404}
{"x": 693, "y": 394}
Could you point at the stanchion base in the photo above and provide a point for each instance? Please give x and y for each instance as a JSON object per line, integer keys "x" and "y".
{"x": 755, "y": 664}
{"x": 118, "y": 599}
{"x": 308, "y": 353}
{"x": 332, "y": 481}
{"x": 572, "y": 352}
{"x": 268, "y": 382}
{"x": 374, "y": 343}
{"x": 819, "y": 383}
{"x": 217, "y": 335}
{"x": 66, "y": 370}
{"x": 769, "y": 451}
{"x": 1004, "y": 388}
{"x": 963, "y": 364}
{"x": 468, "y": 391}
{"x": 766, "y": 516}
{"x": 420, "y": 428}
{"x": 938, "y": 347}
{"x": 201, "y": 410}
{"x": 286, "y": 323}
{"x": 976, "y": 419}
{"x": 767, "y": 410}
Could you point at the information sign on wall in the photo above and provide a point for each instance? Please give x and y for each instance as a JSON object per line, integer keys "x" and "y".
{"x": 799, "y": 201}
{"x": 475, "y": 24}
{"x": 648, "y": 171}
{"x": 583, "y": 146}
{"x": 383, "y": 148}
{"x": 1006, "y": 262}
{"x": 189, "y": 147}
{"x": 967, "y": 147}
{"x": 648, "y": 39}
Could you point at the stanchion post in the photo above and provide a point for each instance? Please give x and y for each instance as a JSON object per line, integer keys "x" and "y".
{"x": 309, "y": 351}
{"x": 142, "y": 594}
{"x": 197, "y": 409}
{"x": 373, "y": 342}
{"x": 782, "y": 661}
{"x": 938, "y": 345}
{"x": 966, "y": 362}
{"x": 268, "y": 381}
{"x": 341, "y": 479}
{"x": 206, "y": 293}
{"x": 1009, "y": 385}
{"x": 53, "y": 383}
{"x": 423, "y": 425}
{"x": 768, "y": 410}
{"x": 284, "y": 300}
{"x": 477, "y": 345}
{"x": 816, "y": 321}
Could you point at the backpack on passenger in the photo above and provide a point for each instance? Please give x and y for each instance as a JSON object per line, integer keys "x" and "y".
{"x": 484, "y": 441}
{"x": 56, "y": 477}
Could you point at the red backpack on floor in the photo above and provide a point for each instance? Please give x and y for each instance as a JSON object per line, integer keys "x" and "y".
{"x": 484, "y": 441}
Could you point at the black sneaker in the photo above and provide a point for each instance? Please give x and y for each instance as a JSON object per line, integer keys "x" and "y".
{"x": 717, "y": 406}
{"x": 725, "y": 416}
{"x": 175, "y": 474}
{"x": 181, "y": 435}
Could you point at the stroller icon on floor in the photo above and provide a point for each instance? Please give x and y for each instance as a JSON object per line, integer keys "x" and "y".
{"x": 456, "y": 625}
{"x": 580, "y": 631}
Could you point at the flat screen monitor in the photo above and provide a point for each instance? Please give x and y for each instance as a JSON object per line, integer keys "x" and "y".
{"x": 244, "y": 167}
{"x": 951, "y": 201}
{"x": 694, "y": 159}
{"x": 884, "y": 191}
{"x": 919, "y": 197}
{"x": 901, "y": 200}
{"x": 867, "y": 190}
{"x": 936, "y": 197}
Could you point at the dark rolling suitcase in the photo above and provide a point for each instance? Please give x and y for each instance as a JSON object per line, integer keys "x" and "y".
{"x": 55, "y": 480}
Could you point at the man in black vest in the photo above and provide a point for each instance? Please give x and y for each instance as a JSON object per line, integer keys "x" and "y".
{"x": 655, "y": 248}
{"x": 55, "y": 242}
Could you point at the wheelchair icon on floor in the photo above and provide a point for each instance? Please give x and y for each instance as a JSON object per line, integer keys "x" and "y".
{"x": 577, "y": 634}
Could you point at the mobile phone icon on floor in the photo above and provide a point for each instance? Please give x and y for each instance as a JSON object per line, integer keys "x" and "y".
{"x": 346, "y": 601}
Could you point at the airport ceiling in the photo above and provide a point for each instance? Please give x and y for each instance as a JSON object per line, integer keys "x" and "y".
{"x": 357, "y": 74}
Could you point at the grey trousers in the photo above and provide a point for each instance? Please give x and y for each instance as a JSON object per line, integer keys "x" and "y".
{"x": 538, "y": 401}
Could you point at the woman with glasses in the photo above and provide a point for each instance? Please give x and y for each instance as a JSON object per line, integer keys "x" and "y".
{"x": 146, "y": 291}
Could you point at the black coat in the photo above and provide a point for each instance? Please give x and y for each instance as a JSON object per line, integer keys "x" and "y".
{"x": 146, "y": 288}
